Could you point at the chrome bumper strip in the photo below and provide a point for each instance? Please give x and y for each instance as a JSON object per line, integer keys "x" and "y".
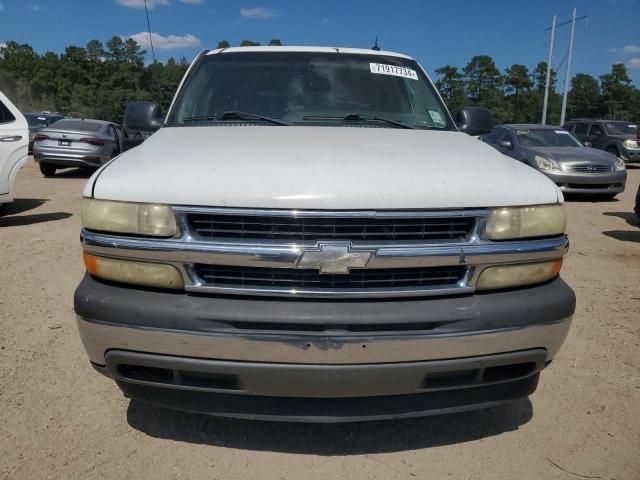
{"x": 476, "y": 212}
{"x": 337, "y": 349}
{"x": 287, "y": 256}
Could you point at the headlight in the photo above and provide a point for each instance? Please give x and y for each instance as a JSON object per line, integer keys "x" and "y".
{"x": 509, "y": 276}
{"x": 630, "y": 143}
{"x": 619, "y": 164}
{"x": 546, "y": 163}
{"x": 137, "y": 273}
{"x": 522, "y": 222}
{"x": 125, "y": 217}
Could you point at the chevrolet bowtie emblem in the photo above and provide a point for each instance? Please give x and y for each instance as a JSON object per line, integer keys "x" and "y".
{"x": 334, "y": 257}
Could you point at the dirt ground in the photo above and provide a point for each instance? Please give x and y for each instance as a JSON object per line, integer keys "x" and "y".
{"x": 60, "y": 419}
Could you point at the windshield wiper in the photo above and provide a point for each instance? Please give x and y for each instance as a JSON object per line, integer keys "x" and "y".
{"x": 360, "y": 117}
{"x": 235, "y": 115}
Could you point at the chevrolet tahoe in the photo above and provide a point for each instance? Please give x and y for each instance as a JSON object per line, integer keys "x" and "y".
{"x": 309, "y": 236}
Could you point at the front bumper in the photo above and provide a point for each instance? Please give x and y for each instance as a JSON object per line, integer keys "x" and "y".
{"x": 630, "y": 155}
{"x": 590, "y": 183}
{"x": 329, "y": 361}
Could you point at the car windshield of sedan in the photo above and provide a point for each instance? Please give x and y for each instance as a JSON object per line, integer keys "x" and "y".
{"x": 309, "y": 88}
{"x": 546, "y": 137}
{"x": 621, "y": 128}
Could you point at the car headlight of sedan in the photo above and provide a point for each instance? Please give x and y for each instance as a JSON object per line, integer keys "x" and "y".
{"x": 126, "y": 217}
{"x": 510, "y": 223}
{"x": 619, "y": 164}
{"x": 630, "y": 143}
{"x": 546, "y": 163}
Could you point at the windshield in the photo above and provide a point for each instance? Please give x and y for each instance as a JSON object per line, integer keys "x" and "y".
{"x": 309, "y": 88}
{"x": 546, "y": 137}
{"x": 621, "y": 128}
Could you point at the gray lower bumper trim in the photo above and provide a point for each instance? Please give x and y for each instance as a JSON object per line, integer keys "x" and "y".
{"x": 332, "y": 410}
{"x": 321, "y": 381}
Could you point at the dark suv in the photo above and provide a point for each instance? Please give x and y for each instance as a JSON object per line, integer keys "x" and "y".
{"x": 614, "y": 136}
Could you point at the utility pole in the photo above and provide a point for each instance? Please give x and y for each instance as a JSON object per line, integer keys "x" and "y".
{"x": 567, "y": 79}
{"x": 567, "y": 76}
{"x": 546, "y": 86}
{"x": 153, "y": 53}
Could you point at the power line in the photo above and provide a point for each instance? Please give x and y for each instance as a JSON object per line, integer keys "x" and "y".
{"x": 153, "y": 53}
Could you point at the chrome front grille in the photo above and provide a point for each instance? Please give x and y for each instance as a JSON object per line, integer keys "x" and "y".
{"x": 588, "y": 168}
{"x": 302, "y": 228}
{"x": 292, "y": 278}
{"x": 327, "y": 254}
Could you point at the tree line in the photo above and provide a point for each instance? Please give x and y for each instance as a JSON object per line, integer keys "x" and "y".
{"x": 98, "y": 80}
{"x": 517, "y": 94}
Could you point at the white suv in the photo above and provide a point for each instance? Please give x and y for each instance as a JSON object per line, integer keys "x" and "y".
{"x": 309, "y": 236}
{"x": 14, "y": 141}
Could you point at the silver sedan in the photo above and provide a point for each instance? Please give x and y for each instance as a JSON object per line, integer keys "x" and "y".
{"x": 574, "y": 167}
{"x": 76, "y": 142}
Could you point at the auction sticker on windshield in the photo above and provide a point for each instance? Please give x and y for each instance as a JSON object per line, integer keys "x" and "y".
{"x": 383, "y": 69}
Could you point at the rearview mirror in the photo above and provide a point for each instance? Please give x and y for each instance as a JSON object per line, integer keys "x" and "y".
{"x": 474, "y": 120}
{"x": 142, "y": 116}
{"x": 588, "y": 144}
{"x": 506, "y": 144}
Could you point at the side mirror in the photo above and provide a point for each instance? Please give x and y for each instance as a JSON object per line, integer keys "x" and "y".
{"x": 506, "y": 144}
{"x": 588, "y": 144}
{"x": 142, "y": 116}
{"x": 474, "y": 120}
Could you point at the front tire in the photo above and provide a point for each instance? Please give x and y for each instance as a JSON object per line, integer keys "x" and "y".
{"x": 47, "y": 169}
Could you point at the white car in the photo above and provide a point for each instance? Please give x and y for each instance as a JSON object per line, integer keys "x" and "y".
{"x": 14, "y": 141}
{"x": 308, "y": 236}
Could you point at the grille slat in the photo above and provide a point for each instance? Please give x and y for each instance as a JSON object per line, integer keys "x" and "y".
{"x": 588, "y": 168}
{"x": 219, "y": 276}
{"x": 318, "y": 228}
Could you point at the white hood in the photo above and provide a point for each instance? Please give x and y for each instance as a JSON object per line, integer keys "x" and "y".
{"x": 328, "y": 168}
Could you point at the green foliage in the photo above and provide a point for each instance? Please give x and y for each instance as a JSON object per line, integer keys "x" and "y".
{"x": 618, "y": 93}
{"x": 451, "y": 86}
{"x": 516, "y": 79}
{"x": 483, "y": 81}
{"x": 584, "y": 98}
{"x": 539, "y": 77}
{"x": 517, "y": 96}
